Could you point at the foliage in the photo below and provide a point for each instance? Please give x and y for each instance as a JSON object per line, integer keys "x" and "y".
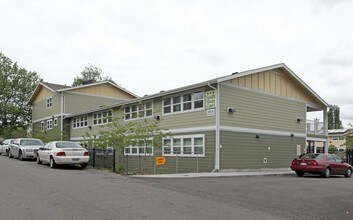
{"x": 349, "y": 142}
{"x": 334, "y": 121}
{"x": 332, "y": 148}
{"x": 17, "y": 86}
{"x": 91, "y": 74}
{"x": 52, "y": 135}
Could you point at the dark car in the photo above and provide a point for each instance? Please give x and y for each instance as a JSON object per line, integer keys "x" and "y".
{"x": 323, "y": 164}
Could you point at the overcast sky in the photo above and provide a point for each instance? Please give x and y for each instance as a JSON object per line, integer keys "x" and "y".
{"x": 149, "y": 46}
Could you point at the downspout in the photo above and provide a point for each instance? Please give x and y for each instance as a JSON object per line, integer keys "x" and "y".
{"x": 326, "y": 129}
{"x": 217, "y": 153}
{"x": 62, "y": 116}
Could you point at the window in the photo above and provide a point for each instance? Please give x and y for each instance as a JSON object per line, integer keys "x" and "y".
{"x": 141, "y": 149}
{"x": 42, "y": 126}
{"x": 185, "y": 102}
{"x": 80, "y": 122}
{"x": 49, "y": 124}
{"x": 102, "y": 118}
{"x": 55, "y": 121}
{"x": 190, "y": 145}
{"x": 138, "y": 111}
{"x": 49, "y": 102}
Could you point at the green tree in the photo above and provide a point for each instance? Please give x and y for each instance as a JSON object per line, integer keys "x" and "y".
{"x": 332, "y": 149}
{"x": 349, "y": 141}
{"x": 334, "y": 121}
{"x": 17, "y": 85}
{"x": 121, "y": 134}
{"x": 90, "y": 74}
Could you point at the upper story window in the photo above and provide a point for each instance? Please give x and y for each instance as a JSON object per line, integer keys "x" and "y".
{"x": 138, "y": 111}
{"x": 49, "y": 102}
{"x": 49, "y": 124}
{"x": 102, "y": 118}
{"x": 185, "y": 102}
{"x": 80, "y": 122}
{"x": 190, "y": 145}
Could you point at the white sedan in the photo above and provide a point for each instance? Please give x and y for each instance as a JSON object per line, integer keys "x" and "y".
{"x": 63, "y": 152}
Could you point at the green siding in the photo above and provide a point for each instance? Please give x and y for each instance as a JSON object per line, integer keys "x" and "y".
{"x": 40, "y": 108}
{"x": 187, "y": 119}
{"x": 260, "y": 111}
{"x": 245, "y": 151}
{"x": 142, "y": 164}
{"x": 76, "y": 103}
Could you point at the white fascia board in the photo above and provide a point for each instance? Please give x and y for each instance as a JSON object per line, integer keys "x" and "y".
{"x": 35, "y": 90}
{"x": 98, "y": 83}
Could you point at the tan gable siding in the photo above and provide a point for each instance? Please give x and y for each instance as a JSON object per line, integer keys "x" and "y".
{"x": 43, "y": 93}
{"x": 276, "y": 82}
{"x": 105, "y": 90}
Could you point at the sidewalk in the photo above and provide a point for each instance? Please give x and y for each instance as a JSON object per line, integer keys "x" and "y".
{"x": 224, "y": 173}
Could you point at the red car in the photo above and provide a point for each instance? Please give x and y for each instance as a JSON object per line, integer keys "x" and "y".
{"x": 323, "y": 164}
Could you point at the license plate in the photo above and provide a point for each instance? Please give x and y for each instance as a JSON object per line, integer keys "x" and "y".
{"x": 75, "y": 159}
{"x": 303, "y": 164}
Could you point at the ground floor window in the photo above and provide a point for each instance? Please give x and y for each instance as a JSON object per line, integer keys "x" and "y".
{"x": 140, "y": 149}
{"x": 188, "y": 145}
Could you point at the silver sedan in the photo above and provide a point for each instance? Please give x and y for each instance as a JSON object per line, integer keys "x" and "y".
{"x": 63, "y": 152}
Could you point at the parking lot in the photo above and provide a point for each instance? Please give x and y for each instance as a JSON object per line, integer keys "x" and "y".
{"x": 32, "y": 191}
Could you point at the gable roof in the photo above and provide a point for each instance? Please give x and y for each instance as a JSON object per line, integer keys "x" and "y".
{"x": 53, "y": 87}
{"x": 209, "y": 82}
{"x": 62, "y": 88}
{"x": 273, "y": 67}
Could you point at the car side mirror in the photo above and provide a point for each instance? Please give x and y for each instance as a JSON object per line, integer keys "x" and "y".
{"x": 41, "y": 148}
{"x": 343, "y": 161}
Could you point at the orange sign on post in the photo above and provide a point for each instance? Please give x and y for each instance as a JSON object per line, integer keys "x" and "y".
{"x": 160, "y": 161}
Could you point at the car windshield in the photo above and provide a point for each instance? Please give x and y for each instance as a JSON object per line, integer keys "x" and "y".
{"x": 67, "y": 145}
{"x": 29, "y": 142}
{"x": 310, "y": 156}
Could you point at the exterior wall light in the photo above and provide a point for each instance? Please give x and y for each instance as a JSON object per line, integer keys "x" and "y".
{"x": 257, "y": 136}
{"x": 157, "y": 117}
{"x": 292, "y": 135}
{"x": 231, "y": 110}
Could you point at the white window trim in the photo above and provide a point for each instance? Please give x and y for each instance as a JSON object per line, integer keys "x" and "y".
{"x": 49, "y": 102}
{"x": 98, "y": 124}
{"x": 138, "y": 117}
{"x": 182, "y": 137}
{"x": 193, "y": 109}
{"x": 138, "y": 152}
{"x": 76, "y": 118}
{"x": 42, "y": 126}
{"x": 49, "y": 124}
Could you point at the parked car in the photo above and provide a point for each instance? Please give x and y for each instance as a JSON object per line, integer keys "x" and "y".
{"x": 63, "y": 152}
{"x": 4, "y": 146}
{"x": 25, "y": 148}
{"x": 323, "y": 164}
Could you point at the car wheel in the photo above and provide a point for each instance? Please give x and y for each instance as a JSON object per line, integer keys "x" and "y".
{"x": 7, "y": 152}
{"x": 348, "y": 173}
{"x": 83, "y": 166}
{"x": 10, "y": 154}
{"x": 327, "y": 173}
{"x": 20, "y": 157}
{"x": 300, "y": 174}
{"x": 38, "y": 160}
{"x": 52, "y": 162}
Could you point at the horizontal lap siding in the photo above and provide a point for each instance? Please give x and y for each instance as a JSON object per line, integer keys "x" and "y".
{"x": 181, "y": 164}
{"x": 40, "y": 108}
{"x": 76, "y": 103}
{"x": 245, "y": 151}
{"x": 260, "y": 111}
